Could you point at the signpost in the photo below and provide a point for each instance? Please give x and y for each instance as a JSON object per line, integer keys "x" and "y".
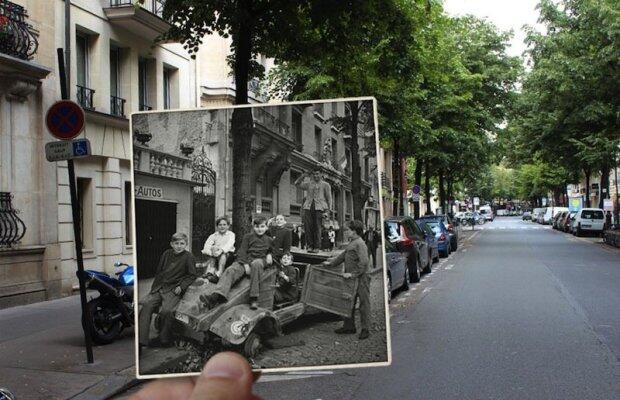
{"x": 65, "y": 121}
{"x": 67, "y": 149}
{"x": 415, "y": 193}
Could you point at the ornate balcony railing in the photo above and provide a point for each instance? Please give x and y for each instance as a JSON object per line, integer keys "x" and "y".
{"x": 85, "y": 97}
{"x": 117, "y": 106}
{"x": 154, "y": 6}
{"x": 17, "y": 37}
{"x": 12, "y": 228}
{"x": 270, "y": 122}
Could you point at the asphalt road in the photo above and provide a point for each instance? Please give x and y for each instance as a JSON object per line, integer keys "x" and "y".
{"x": 519, "y": 312}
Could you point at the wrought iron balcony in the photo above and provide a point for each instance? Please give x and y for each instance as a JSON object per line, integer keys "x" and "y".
{"x": 17, "y": 37}
{"x": 85, "y": 97}
{"x": 117, "y": 106}
{"x": 154, "y": 6}
{"x": 270, "y": 122}
{"x": 143, "y": 18}
{"x": 12, "y": 228}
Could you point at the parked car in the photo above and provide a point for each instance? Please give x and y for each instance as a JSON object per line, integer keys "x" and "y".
{"x": 550, "y": 212}
{"x": 487, "y": 213}
{"x": 409, "y": 238}
{"x": 431, "y": 239}
{"x": 568, "y": 221}
{"x": 397, "y": 272}
{"x": 558, "y": 219}
{"x": 527, "y": 216}
{"x": 589, "y": 220}
{"x": 442, "y": 234}
{"x": 540, "y": 215}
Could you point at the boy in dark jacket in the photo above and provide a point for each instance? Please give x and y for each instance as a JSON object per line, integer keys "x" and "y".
{"x": 254, "y": 254}
{"x": 286, "y": 289}
{"x": 175, "y": 272}
{"x": 355, "y": 259}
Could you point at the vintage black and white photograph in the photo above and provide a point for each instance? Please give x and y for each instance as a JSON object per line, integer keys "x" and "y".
{"x": 258, "y": 230}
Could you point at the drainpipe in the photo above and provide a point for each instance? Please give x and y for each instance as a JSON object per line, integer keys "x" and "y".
{"x": 68, "y": 45}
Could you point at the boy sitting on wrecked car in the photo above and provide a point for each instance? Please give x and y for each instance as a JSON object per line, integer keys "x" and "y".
{"x": 218, "y": 247}
{"x": 175, "y": 272}
{"x": 286, "y": 289}
{"x": 254, "y": 254}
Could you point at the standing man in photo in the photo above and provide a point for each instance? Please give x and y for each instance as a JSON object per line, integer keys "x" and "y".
{"x": 318, "y": 201}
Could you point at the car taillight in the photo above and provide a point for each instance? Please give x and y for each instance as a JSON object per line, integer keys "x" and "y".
{"x": 442, "y": 237}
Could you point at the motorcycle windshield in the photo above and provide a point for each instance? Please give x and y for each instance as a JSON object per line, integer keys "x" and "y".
{"x": 127, "y": 277}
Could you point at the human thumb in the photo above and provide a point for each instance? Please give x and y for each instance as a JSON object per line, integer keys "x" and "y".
{"x": 227, "y": 376}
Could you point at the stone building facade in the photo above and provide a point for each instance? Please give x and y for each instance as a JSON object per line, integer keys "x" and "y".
{"x": 114, "y": 71}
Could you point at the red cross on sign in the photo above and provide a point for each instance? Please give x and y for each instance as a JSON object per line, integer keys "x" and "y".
{"x": 65, "y": 119}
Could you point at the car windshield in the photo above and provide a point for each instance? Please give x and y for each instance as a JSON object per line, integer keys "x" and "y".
{"x": 592, "y": 214}
{"x": 392, "y": 231}
{"x": 434, "y": 226}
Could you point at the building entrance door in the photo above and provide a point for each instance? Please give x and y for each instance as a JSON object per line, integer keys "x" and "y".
{"x": 156, "y": 222}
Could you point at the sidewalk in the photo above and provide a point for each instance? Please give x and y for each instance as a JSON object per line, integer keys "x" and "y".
{"x": 42, "y": 354}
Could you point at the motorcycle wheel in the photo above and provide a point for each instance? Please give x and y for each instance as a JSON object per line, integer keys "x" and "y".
{"x": 102, "y": 330}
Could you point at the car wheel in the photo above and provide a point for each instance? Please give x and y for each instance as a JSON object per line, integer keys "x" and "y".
{"x": 252, "y": 345}
{"x": 578, "y": 231}
{"x": 455, "y": 245}
{"x": 429, "y": 264}
{"x": 414, "y": 272}
{"x": 405, "y": 285}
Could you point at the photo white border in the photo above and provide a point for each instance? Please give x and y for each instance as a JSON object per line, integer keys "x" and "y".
{"x": 385, "y": 266}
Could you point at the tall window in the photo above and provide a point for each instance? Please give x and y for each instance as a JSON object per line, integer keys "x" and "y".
{"x": 297, "y": 135}
{"x": 366, "y": 168}
{"x": 85, "y": 201}
{"x": 81, "y": 55}
{"x": 318, "y": 139}
{"x": 347, "y": 165}
{"x": 142, "y": 87}
{"x": 167, "y": 78}
{"x": 334, "y": 153}
{"x": 128, "y": 213}
{"x": 114, "y": 71}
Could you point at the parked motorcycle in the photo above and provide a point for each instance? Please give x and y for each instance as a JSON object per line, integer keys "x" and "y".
{"x": 112, "y": 310}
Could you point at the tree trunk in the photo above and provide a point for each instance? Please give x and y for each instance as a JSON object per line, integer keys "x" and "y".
{"x": 396, "y": 178}
{"x": 427, "y": 186}
{"x": 417, "y": 177}
{"x": 587, "y": 173}
{"x": 565, "y": 195}
{"x": 403, "y": 186}
{"x": 241, "y": 126}
{"x": 356, "y": 179}
{"x": 442, "y": 192}
{"x": 604, "y": 185}
{"x": 450, "y": 196}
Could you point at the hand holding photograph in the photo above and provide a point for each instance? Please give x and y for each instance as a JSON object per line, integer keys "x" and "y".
{"x": 257, "y": 232}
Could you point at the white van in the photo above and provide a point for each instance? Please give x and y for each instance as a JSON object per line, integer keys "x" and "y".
{"x": 589, "y": 220}
{"x": 486, "y": 212}
{"x": 551, "y": 212}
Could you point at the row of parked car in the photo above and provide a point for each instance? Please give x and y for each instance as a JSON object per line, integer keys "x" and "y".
{"x": 586, "y": 220}
{"x": 412, "y": 246}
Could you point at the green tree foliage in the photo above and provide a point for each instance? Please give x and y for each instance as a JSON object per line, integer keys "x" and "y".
{"x": 287, "y": 31}
{"x": 568, "y": 112}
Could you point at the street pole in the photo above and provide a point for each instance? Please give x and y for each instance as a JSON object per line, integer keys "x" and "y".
{"x": 75, "y": 211}
{"x": 616, "y": 209}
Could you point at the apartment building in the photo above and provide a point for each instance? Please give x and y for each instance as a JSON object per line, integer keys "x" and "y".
{"x": 115, "y": 69}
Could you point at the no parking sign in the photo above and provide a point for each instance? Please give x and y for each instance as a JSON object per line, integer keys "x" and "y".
{"x": 65, "y": 119}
